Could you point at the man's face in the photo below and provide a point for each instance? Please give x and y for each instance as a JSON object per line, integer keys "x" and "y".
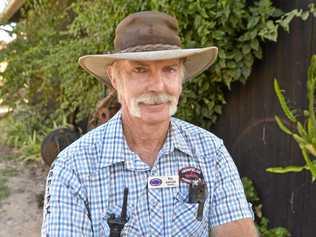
{"x": 148, "y": 90}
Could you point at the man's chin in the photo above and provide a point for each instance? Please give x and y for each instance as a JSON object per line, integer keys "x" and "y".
{"x": 154, "y": 118}
{"x": 152, "y": 113}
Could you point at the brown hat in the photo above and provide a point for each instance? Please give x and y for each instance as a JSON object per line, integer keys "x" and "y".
{"x": 149, "y": 36}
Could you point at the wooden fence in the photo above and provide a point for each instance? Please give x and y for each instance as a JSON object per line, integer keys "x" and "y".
{"x": 249, "y": 131}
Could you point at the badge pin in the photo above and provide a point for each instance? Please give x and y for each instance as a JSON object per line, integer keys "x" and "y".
{"x": 190, "y": 174}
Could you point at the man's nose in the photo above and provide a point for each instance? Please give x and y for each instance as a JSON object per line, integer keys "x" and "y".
{"x": 156, "y": 82}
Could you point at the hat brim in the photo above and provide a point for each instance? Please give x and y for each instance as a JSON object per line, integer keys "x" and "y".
{"x": 196, "y": 60}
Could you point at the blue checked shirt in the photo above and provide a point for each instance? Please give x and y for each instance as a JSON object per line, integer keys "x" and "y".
{"x": 86, "y": 184}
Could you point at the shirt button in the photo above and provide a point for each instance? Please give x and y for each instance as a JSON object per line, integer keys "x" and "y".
{"x": 156, "y": 203}
{"x": 153, "y": 172}
{"x": 128, "y": 163}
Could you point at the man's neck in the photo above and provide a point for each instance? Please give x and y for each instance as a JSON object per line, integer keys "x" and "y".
{"x": 145, "y": 139}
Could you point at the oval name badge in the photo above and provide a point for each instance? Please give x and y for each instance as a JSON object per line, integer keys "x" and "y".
{"x": 155, "y": 182}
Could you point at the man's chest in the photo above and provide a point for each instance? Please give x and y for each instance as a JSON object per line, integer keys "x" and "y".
{"x": 151, "y": 210}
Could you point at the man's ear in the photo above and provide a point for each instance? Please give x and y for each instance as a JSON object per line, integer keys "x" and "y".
{"x": 109, "y": 72}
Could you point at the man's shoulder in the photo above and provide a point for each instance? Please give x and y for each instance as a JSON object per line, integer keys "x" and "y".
{"x": 194, "y": 130}
{"x": 198, "y": 136}
{"x": 86, "y": 152}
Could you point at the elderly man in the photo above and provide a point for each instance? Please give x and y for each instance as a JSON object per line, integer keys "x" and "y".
{"x": 144, "y": 173}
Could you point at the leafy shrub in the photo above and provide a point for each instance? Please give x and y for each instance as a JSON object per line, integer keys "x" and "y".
{"x": 22, "y": 130}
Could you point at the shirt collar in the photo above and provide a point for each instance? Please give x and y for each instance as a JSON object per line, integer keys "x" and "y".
{"x": 115, "y": 148}
{"x": 177, "y": 134}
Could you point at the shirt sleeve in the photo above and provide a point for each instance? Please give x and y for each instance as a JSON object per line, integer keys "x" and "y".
{"x": 65, "y": 213}
{"x": 228, "y": 202}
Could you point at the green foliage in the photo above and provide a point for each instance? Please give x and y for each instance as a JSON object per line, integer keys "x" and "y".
{"x": 261, "y": 221}
{"x": 274, "y": 232}
{"x": 21, "y": 130}
{"x": 16, "y": 134}
{"x": 304, "y": 135}
{"x": 31, "y": 149}
{"x": 43, "y": 73}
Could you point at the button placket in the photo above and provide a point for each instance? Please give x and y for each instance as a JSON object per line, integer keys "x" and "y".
{"x": 155, "y": 212}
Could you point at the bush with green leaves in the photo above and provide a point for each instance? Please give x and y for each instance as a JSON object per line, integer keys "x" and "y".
{"x": 21, "y": 130}
{"x": 303, "y": 132}
{"x": 43, "y": 72}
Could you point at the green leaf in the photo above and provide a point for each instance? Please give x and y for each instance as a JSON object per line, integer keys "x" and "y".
{"x": 311, "y": 148}
{"x": 310, "y": 164}
{"x": 231, "y": 64}
{"x": 301, "y": 141}
{"x": 253, "y": 22}
{"x": 287, "y": 169}
{"x": 270, "y": 31}
{"x": 305, "y": 15}
{"x": 218, "y": 109}
{"x": 238, "y": 57}
{"x": 246, "y": 72}
{"x": 283, "y": 103}
{"x": 282, "y": 126}
{"x": 221, "y": 54}
{"x": 287, "y": 18}
{"x": 258, "y": 53}
{"x": 248, "y": 60}
{"x": 246, "y": 49}
{"x": 301, "y": 129}
{"x": 254, "y": 44}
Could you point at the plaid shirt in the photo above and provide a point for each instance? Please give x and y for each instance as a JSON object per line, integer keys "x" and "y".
{"x": 86, "y": 184}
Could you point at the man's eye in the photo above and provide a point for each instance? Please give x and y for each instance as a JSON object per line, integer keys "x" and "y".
{"x": 140, "y": 69}
{"x": 170, "y": 69}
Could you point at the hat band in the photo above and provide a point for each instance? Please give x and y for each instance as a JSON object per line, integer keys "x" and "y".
{"x": 149, "y": 47}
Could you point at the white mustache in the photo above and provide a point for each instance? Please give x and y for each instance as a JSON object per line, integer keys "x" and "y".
{"x": 155, "y": 98}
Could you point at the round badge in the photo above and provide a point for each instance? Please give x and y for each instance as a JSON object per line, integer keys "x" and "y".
{"x": 156, "y": 182}
{"x": 190, "y": 174}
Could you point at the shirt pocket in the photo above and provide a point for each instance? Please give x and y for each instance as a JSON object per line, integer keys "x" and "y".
{"x": 184, "y": 219}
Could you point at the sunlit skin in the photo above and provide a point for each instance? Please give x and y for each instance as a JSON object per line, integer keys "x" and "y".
{"x": 146, "y": 134}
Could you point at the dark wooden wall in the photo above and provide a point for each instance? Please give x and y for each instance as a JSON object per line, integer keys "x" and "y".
{"x": 253, "y": 138}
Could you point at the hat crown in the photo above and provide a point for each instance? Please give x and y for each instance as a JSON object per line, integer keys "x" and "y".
{"x": 146, "y": 28}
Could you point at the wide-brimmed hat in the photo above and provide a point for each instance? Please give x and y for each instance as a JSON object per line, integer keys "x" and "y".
{"x": 149, "y": 36}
